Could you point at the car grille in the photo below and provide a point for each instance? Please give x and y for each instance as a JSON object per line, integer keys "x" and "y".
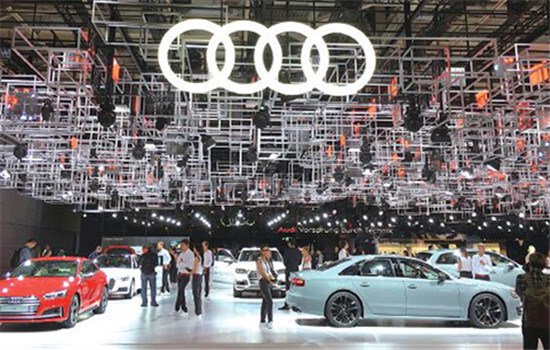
{"x": 18, "y": 306}
{"x": 112, "y": 283}
{"x": 253, "y": 277}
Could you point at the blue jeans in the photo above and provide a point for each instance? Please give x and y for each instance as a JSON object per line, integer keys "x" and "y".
{"x": 152, "y": 279}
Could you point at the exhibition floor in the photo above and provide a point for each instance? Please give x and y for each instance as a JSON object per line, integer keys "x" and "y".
{"x": 230, "y": 323}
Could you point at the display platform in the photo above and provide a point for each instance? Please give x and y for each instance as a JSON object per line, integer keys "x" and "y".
{"x": 229, "y": 323}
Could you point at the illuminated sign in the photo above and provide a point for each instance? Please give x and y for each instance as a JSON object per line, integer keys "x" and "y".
{"x": 267, "y": 79}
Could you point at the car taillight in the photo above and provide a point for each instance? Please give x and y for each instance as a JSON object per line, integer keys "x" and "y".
{"x": 298, "y": 282}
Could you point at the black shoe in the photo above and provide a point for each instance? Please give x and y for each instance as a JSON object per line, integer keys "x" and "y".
{"x": 284, "y": 308}
{"x": 143, "y": 305}
{"x": 155, "y": 305}
{"x": 184, "y": 310}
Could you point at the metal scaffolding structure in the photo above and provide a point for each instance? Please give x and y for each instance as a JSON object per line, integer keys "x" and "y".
{"x": 448, "y": 124}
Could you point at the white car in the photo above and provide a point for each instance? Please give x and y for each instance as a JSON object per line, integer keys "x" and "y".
{"x": 504, "y": 270}
{"x": 246, "y": 278}
{"x": 123, "y": 273}
{"x": 223, "y": 270}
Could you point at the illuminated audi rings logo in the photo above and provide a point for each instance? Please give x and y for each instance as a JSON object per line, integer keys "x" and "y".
{"x": 267, "y": 36}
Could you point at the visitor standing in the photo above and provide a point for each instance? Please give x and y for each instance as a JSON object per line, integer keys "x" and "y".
{"x": 207, "y": 264}
{"x": 196, "y": 282}
{"x": 343, "y": 253}
{"x": 24, "y": 253}
{"x": 534, "y": 290}
{"x": 464, "y": 264}
{"x": 292, "y": 260}
{"x": 148, "y": 262}
{"x": 481, "y": 264}
{"x": 97, "y": 252}
{"x": 46, "y": 251}
{"x": 266, "y": 271}
{"x": 185, "y": 264}
{"x": 165, "y": 259}
{"x": 530, "y": 251}
{"x": 319, "y": 257}
{"x": 306, "y": 263}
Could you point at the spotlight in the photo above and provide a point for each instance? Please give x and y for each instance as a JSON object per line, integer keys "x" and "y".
{"x": 339, "y": 174}
{"x": 428, "y": 174}
{"x": 160, "y": 123}
{"x": 138, "y": 152}
{"x": 252, "y": 154}
{"x": 262, "y": 119}
{"x": 106, "y": 115}
{"x": 208, "y": 142}
{"x": 493, "y": 164}
{"x": 365, "y": 157}
{"x": 380, "y": 213}
{"x": 46, "y": 110}
{"x": 413, "y": 120}
{"x": 20, "y": 151}
{"x": 94, "y": 185}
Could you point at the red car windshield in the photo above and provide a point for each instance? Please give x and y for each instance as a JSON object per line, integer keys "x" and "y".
{"x": 46, "y": 268}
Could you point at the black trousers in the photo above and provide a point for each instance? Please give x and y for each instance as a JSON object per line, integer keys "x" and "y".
{"x": 196, "y": 285}
{"x": 267, "y": 301}
{"x": 531, "y": 337}
{"x": 165, "y": 283}
{"x": 183, "y": 281}
{"x": 466, "y": 274}
{"x": 206, "y": 274}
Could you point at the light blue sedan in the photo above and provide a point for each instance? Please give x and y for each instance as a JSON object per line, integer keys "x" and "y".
{"x": 391, "y": 287}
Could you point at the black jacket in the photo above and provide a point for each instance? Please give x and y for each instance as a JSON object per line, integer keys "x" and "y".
{"x": 292, "y": 259}
{"x": 148, "y": 262}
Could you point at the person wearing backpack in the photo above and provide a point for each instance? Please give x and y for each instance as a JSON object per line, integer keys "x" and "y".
{"x": 534, "y": 291}
{"x": 24, "y": 253}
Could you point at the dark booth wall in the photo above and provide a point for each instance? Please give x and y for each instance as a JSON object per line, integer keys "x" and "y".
{"x": 22, "y": 218}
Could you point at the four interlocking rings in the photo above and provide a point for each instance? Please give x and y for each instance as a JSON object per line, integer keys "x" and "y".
{"x": 267, "y": 78}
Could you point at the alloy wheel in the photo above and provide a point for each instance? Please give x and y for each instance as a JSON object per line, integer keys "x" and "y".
{"x": 488, "y": 311}
{"x": 344, "y": 310}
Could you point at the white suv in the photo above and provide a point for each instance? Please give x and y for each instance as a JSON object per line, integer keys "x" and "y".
{"x": 246, "y": 278}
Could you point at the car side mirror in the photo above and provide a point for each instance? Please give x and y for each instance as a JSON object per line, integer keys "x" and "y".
{"x": 228, "y": 260}
{"x": 511, "y": 267}
{"x": 88, "y": 275}
{"x": 441, "y": 277}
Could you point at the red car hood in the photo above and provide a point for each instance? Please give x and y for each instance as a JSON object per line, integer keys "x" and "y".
{"x": 35, "y": 286}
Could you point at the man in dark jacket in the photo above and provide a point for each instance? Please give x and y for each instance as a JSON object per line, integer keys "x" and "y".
{"x": 148, "y": 262}
{"x": 292, "y": 261}
{"x": 26, "y": 253}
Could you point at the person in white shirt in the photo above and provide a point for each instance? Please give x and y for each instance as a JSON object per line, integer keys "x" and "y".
{"x": 306, "y": 260}
{"x": 343, "y": 253}
{"x": 481, "y": 264}
{"x": 185, "y": 264}
{"x": 165, "y": 259}
{"x": 207, "y": 264}
{"x": 464, "y": 264}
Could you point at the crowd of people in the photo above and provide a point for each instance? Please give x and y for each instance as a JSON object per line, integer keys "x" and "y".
{"x": 193, "y": 264}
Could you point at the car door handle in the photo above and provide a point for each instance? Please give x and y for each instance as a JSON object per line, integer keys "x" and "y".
{"x": 365, "y": 284}
{"x": 412, "y": 286}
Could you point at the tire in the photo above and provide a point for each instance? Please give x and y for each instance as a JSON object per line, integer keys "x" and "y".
{"x": 487, "y": 311}
{"x": 72, "y": 315}
{"x": 343, "y": 309}
{"x": 104, "y": 301}
{"x": 132, "y": 291}
{"x": 237, "y": 294}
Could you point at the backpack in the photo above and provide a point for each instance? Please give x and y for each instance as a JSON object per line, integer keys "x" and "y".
{"x": 14, "y": 261}
{"x": 537, "y": 302}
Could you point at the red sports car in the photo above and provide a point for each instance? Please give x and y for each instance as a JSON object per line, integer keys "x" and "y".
{"x": 55, "y": 289}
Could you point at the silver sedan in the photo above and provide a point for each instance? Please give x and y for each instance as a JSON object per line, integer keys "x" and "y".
{"x": 390, "y": 287}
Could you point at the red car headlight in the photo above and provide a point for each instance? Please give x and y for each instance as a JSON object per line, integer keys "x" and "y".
{"x": 55, "y": 295}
